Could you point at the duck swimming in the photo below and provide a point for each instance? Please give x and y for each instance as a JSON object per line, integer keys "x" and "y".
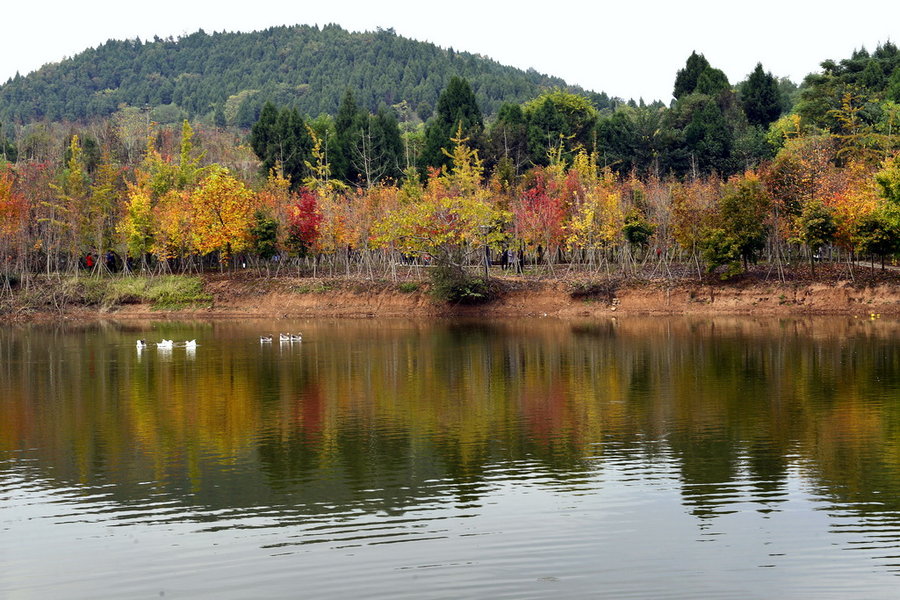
{"x": 141, "y": 344}
{"x": 190, "y": 344}
{"x": 296, "y": 337}
{"x": 265, "y": 339}
{"x": 165, "y": 344}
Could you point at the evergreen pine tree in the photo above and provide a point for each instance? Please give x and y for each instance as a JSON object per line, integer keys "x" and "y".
{"x": 456, "y": 109}
{"x": 282, "y": 138}
{"x": 347, "y": 124}
{"x": 262, "y": 132}
{"x": 687, "y": 78}
{"x": 761, "y": 98}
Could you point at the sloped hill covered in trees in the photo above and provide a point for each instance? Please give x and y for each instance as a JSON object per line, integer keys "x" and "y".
{"x": 229, "y": 76}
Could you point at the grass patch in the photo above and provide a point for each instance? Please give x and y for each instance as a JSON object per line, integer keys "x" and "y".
{"x": 408, "y": 287}
{"x": 167, "y": 292}
{"x": 172, "y": 292}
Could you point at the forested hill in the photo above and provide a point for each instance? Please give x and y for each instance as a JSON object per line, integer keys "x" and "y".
{"x": 229, "y": 76}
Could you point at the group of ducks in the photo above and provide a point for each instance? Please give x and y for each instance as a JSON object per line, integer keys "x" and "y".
{"x": 192, "y": 344}
{"x": 169, "y": 344}
{"x": 282, "y": 337}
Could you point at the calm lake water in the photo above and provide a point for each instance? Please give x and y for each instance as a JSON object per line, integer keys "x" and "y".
{"x": 637, "y": 458}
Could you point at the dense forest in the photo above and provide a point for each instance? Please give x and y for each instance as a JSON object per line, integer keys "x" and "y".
{"x": 227, "y": 77}
{"x": 727, "y": 175}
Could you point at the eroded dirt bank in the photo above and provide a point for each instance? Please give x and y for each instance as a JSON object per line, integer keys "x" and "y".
{"x": 291, "y": 298}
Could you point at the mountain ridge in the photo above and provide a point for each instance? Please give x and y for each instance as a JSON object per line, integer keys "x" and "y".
{"x": 231, "y": 75}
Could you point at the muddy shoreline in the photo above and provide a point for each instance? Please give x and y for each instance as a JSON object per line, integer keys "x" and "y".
{"x": 242, "y": 297}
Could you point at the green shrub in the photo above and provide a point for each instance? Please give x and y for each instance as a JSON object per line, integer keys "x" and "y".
{"x": 719, "y": 248}
{"x": 594, "y": 290}
{"x": 455, "y": 285}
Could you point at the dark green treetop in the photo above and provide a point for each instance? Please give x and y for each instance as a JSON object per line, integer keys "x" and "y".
{"x": 761, "y": 97}
{"x": 559, "y": 120}
{"x": 281, "y": 137}
{"x": 347, "y": 125}
{"x": 456, "y": 109}
{"x": 687, "y": 78}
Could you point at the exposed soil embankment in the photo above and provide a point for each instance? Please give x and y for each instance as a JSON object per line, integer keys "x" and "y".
{"x": 556, "y": 299}
{"x": 235, "y": 296}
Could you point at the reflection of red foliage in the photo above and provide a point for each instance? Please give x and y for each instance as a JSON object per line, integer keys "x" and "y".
{"x": 310, "y": 410}
{"x": 545, "y": 413}
{"x": 304, "y": 220}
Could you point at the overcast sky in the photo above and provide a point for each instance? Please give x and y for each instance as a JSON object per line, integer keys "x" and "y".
{"x": 625, "y": 48}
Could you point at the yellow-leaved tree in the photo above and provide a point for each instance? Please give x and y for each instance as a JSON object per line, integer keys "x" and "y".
{"x": 598, "y": 220}
{"x": 137, "y": 226}
{"x": 174, "y": 212}
{"x": 69, "y": 209}
{"x": 452, "y": 216}
{"x": 452, "y": 220}
{"x": 223, "y": 214}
